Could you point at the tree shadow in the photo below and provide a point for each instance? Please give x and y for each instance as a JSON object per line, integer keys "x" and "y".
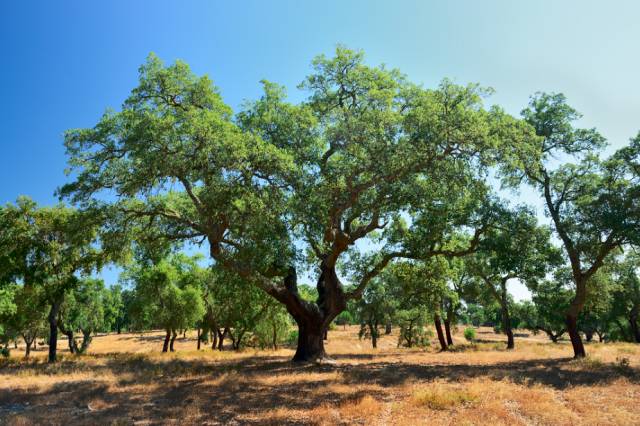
{"x": 230, "y": 391}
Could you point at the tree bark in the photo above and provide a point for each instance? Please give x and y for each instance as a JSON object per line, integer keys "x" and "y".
{"x": 27, "y": 343}
{"x": 588, "y": 335}
{"x": 275, "y": 337}
{"x": 174, "y": 334}
{"x": 310, "y": 343}
{"x": 506, "y": 326}
{"x": 387, "y": 328}
{"x": 198, "y": 338}
{"x": 167, "y": 337}
{"x": 633, "y": 323}
{"x": 53, "y": 331}
{"x": 447, "y": 330}
{"x": 373, "y": 330}
{"x": 574, "y": 335}
{"x": 438, "y": 326}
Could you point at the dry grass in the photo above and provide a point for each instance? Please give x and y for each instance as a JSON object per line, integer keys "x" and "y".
{"x": 125, "y": 380}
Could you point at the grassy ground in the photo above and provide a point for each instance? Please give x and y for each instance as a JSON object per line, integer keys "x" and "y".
{"x": 124, "y": 380}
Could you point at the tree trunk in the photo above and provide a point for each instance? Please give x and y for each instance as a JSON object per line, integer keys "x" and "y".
{"x": 506, "y": 326}
{"x": 574, "y": 335}
{"x": 373, "y": 330}
{"x": 198, "y": 338}
{"x": 214, "y": 338}
{"x": 221, "y": 337}
{"x": 310, "y": 343}
{"x": 27, "y": 343}
{"x": 174, "y": 334}
{"x": 167, "y": 337}
{"x": 275, "y": 337}
{"x": 447, "y": 330}
{"x": 588, "y": 335}
{"x": 633, "y": 323}
{"x": 86, "y": 341}
{"x": 53, "y": 331}
{"x": 438, "y": 325}
{"x": 387, "y": 328}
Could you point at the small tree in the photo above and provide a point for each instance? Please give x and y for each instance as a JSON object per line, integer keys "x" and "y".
{"x": 516, "y": 248}
{"x": 29, "y": 319}
{"x": 167, "y": 295}
{"x": 83, "y": 310}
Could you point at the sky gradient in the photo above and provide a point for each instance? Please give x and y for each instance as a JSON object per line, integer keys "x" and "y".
{"x": 64, "y": 63}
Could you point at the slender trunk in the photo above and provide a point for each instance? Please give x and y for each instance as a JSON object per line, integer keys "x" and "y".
{"x": 438, "y": 325}
{"x": 174, "y": 334}
{"x": 387, "y": 328}
{"x": 275, "y": 337}
{"x": 167, "y": 337}
{"x": 214, "y": 338}
{"x": 373, "y": 330}
{"x": 588, "y": 335}
{"x": 447, "y": 330}
{"x": 506, "y": 326}
{"x": 633, "y": 323}
{"x": 198, "y": 338}
{"x": 326, "y": 334}
{"x": 53, "y": 331}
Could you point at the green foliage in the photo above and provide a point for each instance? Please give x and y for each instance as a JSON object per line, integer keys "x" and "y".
{"x": 167, "y": 294}
{"x": 470, "y": 334}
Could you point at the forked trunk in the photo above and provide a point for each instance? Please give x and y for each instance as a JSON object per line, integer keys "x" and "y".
{"x": 438, "y": 325}
{"x": 53, "y": 331}
{"x": 588, "y": 335}
{"x": 28, "y": 347}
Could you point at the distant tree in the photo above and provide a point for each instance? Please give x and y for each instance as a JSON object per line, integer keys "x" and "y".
{"x": 114, "y": 309}
{"x": 167, "y": 294}
{"x": 625, "y": 303}
{"x": 550, "y": 298}
{"x": 29, "y": 320}
{"x": 83, "y": 310}
{"x": 49, "y": 247}
{"x": 517, "y": 248}
{"x": 376, "y": 308}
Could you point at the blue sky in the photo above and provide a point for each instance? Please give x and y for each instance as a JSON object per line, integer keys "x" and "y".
{"x": 63, "y": 63}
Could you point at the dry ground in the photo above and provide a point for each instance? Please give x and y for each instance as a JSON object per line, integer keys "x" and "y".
{"x": 124, "y": 380}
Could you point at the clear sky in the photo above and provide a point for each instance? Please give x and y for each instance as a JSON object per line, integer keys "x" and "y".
{"x": 63, "y": 63}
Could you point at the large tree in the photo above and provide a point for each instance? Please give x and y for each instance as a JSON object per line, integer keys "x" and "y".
{"x": 283, "y": 188}
{"x": 592, "y": 204}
